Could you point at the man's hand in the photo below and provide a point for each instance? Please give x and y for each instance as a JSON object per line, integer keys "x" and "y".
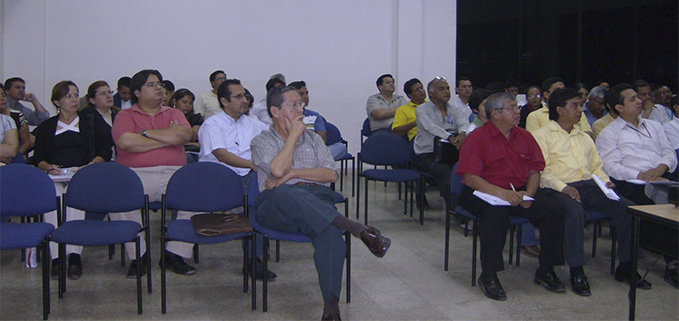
{"x": 525, "y": 204}
{"x": 30, "y": 97}
{"x": 610, "y": 185}
{"x": 272, "y": 182}
{"x": 295, "y": 128}
{"x": 514, "y": 198}
{"x": 459, "y": 139}
{"x": 571, "y": 192}
{"x": 653, "y": 174}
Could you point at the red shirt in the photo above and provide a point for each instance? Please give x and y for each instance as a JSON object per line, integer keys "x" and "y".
{"x": 133, "y": 120}
{"x": 500, "y": 161}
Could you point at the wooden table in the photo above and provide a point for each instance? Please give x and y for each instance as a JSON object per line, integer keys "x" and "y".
{"x": 666, "y": 214}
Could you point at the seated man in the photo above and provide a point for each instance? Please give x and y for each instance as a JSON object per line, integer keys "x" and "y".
{"x": 294, "y": 170}
{"x": 225, "y": 138}
{"x": 123, "y": 97}
{"x": 595, "y": 108}
{"x": 571, "y": 161}
{"x": 207, "y": 104}
{"x": 404, "y": 119}
{"x": 150, "y": 140}
{"x": 540, "y": 117}
{"x": 15, "y": 89}
{"x": 672, "y": 127}
{"x": 504, "y": 160}
{"x": 381, "y": 107}
{"x": 259, "y": 109}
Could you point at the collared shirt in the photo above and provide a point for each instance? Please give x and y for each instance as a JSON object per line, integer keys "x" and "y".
{"x": 569, "y": 157}
{"x": 503, "y": 162}
{"x": 126, "y": 104}
{"x": 540, "y": 118}
{"x": 376, "y": 101}
{"x": 430, "y": 124}
{"x": 319, "y": 123}
{"x": 310, "y": 152}
{"x": 34, "y": 117}
{"x": 134, "y": 120}
{"x": 672, "y": 132}
{"x": 259, "y": 111}
{"x": 588, "y": 114}
{"x": 404, "y": 116}
{"x": 627, "y": 151}
{"x": 659, "y": 114}
{"x": 600, "y": 124}
{"x": 207, "y": 105}
{"x": 221, "y": 131}
{"x": 525, "y": 110}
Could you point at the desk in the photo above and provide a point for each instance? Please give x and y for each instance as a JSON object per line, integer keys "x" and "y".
{"x": 666, "y": 214}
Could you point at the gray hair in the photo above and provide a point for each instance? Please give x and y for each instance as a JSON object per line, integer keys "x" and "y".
{"x": 496, "y": 101}
{"x": 275, "y": 97}
{"x": 597, "y": 92}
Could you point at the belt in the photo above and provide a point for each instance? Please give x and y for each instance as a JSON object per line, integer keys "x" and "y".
{"x": 305, "y": 183}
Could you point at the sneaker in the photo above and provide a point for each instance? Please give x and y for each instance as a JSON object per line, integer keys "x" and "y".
{"x": 176, "y": 263}
{"x": 31, "y": 258}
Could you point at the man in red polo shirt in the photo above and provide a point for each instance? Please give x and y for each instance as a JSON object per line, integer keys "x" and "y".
{"x": 504, "y": 160}
{"x": 149, "y": 138}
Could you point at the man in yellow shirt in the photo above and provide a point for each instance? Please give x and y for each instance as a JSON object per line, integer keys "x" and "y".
{"x": 404, "y": 120}
{"x": 571, "y": 161}
{"x": 540, "y": 117}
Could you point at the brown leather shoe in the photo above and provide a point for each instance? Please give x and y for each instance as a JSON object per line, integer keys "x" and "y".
{"x": 376, "y": 243}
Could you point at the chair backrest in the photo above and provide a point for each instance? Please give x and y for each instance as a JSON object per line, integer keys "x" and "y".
{"x": 105, "y": 187}
{"x": 25, "y": 191}
{"x": 386, "y": 149}
{"x": 253, "y": 190}
{"x": 204, "y": 187}
{"x": 456, "y": 185}
{"x": 365, "y": 130}
{"x": 333, "y": 134}
{"x": 18, "y": 159}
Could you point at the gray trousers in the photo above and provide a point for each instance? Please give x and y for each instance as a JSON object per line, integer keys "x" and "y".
{"x": 592, "y": 198}
{"x": 310, "y": 211}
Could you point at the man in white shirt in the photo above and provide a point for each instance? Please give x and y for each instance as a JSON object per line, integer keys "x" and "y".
{"x": 225, "y": 138}
{"x": 207, "y": 104}
{"x": 652, "y": 110}
{"x": 672, "y": 127}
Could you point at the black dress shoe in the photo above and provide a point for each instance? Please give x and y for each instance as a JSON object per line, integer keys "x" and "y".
{"x": 376, "y": 243}
{"x": 132, "y": 272}
{"x": 259, "y": 270}
{"x": 54, "y": 272}
{"x": 580, "y": 285}
{"x": 626, "y": 276}
{"x": 75, "y": 266}
{"x": 549, "y": 281}
{"x": 492, "y": 288}
{"x": 331, "y": 317}
{"x": 671, "y": 277}
{"x": 176, "y": 263}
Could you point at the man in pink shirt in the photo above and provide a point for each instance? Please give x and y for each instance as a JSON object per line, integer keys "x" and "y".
{"x": 149, "y": 138}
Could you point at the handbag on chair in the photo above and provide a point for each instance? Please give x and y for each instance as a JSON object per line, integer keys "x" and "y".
{"x": 445, "y": 152}
{"x": 214, "y": 224}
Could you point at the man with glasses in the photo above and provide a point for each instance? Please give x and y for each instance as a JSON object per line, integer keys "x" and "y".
{"x": 225, "y": 138}
{"x": 150, "y": 140}
{"x": 15, "y": 89}
{"x": 207, "y": 104}
{"x": 662, "y": 97}
{"x": 504, "y": 160}
{"x": 650, "y": 101}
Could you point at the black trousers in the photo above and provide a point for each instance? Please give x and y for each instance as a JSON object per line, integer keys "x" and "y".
{"x": 440, "y": 171}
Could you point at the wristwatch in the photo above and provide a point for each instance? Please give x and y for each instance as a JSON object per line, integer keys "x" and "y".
{"x": 143, "y": 133}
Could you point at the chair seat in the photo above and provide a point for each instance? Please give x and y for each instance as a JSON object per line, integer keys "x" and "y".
{"x": 517, "y": 220}
{"x": 462, "y": 212}
{"x": 337, "y": 198}
{"x": 391, "y": 175}
{"x": 595, "y": 215}
{"x": 276, "y": 234}
{"x": 182, "y": 230}
{"x": 19, "y": 236}
{"x": 345, "y": 156}
{"x": 96, "y": 233}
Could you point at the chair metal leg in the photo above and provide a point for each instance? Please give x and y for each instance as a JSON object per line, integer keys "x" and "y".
{"x": 196, "y": 253}
{"x": 137, "y": 249}
{"x": 265, "y": 284}
{"x": 253, "y": 260}
{"x": 365, "y": 214}
{"x": 421, "y": 207}
{"x": 594, "y": 237}
{"x": 163, "y": 290}
{"x": 519, "y": 234}
{"x": 475, "y": 236}
{"x": 347, "y": 238}
{"x": 405, "y": 202}
{"x": 122, "y": 255}
{"x": 358, "y": 198}
{"x": 247, "y": 244}
{"x": 446, "y": 251}
{"x": 353, "y": 169}
{"x": 278, "y": 251}
{"x": 511, "y": 244}
{"x": 45, "y": 280}
{"x": 614, "y": 237}
{"x": 62, "y": 270}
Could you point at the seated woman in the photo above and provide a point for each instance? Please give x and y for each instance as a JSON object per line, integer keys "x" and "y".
{"x": 9, "y": 136}
{"x": 21, "y": 125}
{"x": 63, "y": 144}
{"x": 100, "y": 105}
{"x": 183, "y": 99}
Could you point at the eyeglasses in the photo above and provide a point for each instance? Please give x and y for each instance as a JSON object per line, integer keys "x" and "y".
{"x": 513, "y": 108}
{"x": 441, "y": 78}
{"x": 220, "y": 79}
{"x": 154, "y": 84}
{"x": 239, "y": 96}
{"x": 104, "y": 93}
{"x": 534, "y": 96}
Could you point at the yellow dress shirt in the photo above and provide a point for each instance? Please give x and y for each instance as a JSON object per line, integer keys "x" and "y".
{"x": 540, "y": 118}
{"x": 406, "y": 115}
{"x": 569, "y": 157}
{"x": 600, "y": 124}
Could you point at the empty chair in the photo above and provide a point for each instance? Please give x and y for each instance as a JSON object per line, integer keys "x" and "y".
{"x": 335, "y": 137}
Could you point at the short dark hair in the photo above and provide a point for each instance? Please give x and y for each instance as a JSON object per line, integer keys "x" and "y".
{"x": 639, "y": 84}
{"x": 580, "y": 85}
{"x": 92, "y": 90}
{"x": 168, "y": 85}
{"x": 60, "y": 90}
{"x": 124, "y": 81}
{"x": 273, "y": 82}
{"x": 511, "y": 82}
{"x": 380, "y": 79}
{"x": 673, "y": 103}
{"x": 477, "y": 98}
{"x": 297, "y": 84}
{"x": 214, "y": 74}
{"x": 613, "y": 96}
{"x": 457, "y": 84}
{"x": 224, "y": 92}
{"x": 558, "y": 99}
{"x": 549, "y": 82}
{"x": 9, "y": 82}
{"x": 276, "y": 97}
{"x": 249, "y": 96}
{"x": 140, "y": 78}
{"x": 181, "y": 93}
{"x": 2, "y": 87}
{"x": 408, "y": 86}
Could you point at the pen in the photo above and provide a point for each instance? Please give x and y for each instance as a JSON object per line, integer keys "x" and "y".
{"x": 512, "y": 185}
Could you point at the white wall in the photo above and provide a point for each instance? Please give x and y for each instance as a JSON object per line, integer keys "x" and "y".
{"x": 338, "y": 47}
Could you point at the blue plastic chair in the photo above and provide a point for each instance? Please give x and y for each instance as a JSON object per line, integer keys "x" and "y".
{"x": 384, "y": 149}
{"x": 597, "y": 218}
{"x": 271, "y": 234}
{"x": 365, "y": 130}
{"x": 202, "y": 187}
{"x": 455, "y": 188}
{"x": 28, "y": 191}
{"x": 104, "y": 188}
{"x": 334, "y": 136}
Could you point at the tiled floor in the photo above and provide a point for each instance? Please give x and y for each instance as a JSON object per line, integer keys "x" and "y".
{"x": 407, "y": 284}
